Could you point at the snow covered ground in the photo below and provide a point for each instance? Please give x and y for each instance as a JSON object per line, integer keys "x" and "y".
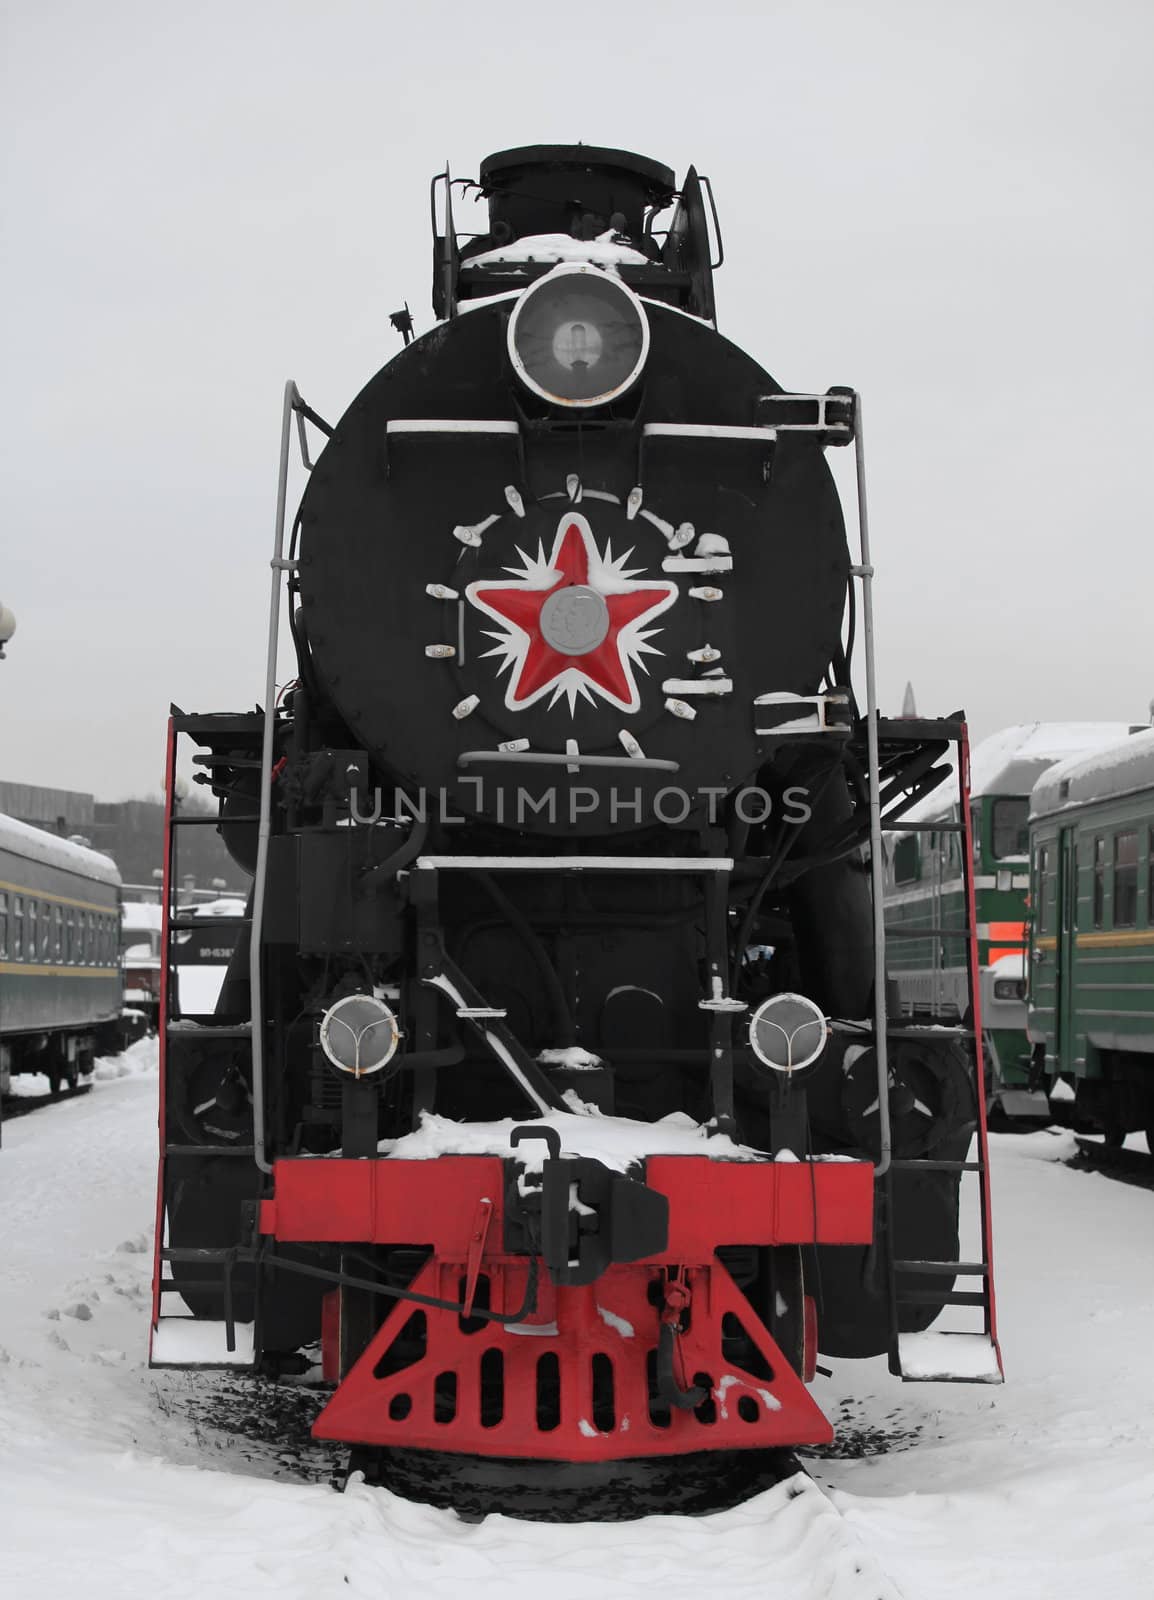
{"x": 114, "y": 1482}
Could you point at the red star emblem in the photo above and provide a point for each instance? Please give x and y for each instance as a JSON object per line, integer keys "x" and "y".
{"x": 574, "y": 623}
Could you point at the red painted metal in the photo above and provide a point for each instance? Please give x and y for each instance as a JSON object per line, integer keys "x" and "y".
{"x": 809, "y": 1339}
{"x": 477, "y": 1251}
{"x": 331, "y": 1336}
{"x": 162, "y": 1021}
{"x": 518, "y": 606}
{"x": 436, "y": 1202}
{"x": 448, "y": 1396}
{"x": 487, "y": 1391}
{"x": 979, "y": 1063}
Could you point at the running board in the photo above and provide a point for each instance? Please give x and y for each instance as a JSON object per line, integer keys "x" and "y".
{"x": 188, "y": 1342}
{"x": 949, "y": 1358}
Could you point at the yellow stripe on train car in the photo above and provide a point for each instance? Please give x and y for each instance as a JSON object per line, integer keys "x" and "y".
{"x": 59, "y": 899}
{"x": 1098, "y": 941}
{"x": 35, "y": 969}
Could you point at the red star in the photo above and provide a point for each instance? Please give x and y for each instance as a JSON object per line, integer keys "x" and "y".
{"x": 606, "y": 666}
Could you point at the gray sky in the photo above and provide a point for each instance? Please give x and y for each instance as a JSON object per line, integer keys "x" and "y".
{"x": 949, "y": 207}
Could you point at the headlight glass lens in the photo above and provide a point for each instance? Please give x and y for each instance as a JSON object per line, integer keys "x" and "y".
{"x": 578, "y": 337}
{"x": 359, "y": 1034}
{"x": 788, "y": 1032}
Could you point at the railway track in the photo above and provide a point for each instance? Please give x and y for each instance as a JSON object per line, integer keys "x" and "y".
{"x": 19, "y": 1105}
{"x": 1126, "y": 1166}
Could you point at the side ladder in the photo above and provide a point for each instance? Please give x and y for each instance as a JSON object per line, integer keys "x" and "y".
{"x": 179, "y": 1337}
{"x": 969, "y": 1356}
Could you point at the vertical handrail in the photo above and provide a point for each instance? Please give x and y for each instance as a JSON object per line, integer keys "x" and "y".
{"x": 865, "y": 572}
{"x": 979, "y": 1061}
{"x": 167, "y": 881}
{"x": 264, "y": 827}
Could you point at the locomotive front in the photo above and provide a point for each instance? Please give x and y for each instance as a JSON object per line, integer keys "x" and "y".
{"x": 561, "y": 983}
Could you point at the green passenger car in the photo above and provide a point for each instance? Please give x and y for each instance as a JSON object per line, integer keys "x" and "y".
{"x": 60, "y": 978}
{"x": 1091, "y": 1003}
{"x": 924, "y": 889}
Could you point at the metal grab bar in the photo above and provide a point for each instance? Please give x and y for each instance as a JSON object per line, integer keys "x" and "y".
{"x": 293, "y": 406}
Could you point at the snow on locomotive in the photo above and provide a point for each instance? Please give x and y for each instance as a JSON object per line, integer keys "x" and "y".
{"x": 559, "y": 1009}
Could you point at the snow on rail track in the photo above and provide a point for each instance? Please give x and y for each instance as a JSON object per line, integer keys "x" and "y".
{"x": 115, "y": 1482}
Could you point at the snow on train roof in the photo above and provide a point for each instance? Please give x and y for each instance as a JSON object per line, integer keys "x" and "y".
{"x": 35, "y": 844}
{"x": 1011, "y": 761}
{"x": 604, "y": 251}
{"x": 1119, "y": 768}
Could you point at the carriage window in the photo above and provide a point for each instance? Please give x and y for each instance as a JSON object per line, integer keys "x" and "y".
{"x": 1011, "y": 827}
{"x": 3, "y": 924}
{"x": 1099, "y": 881}
{"x": 30, "y": 930}
{"x": 57, "y": 932}
{"x": 906, "y": 859}
{"x": 1150, "y": 878}
{"x": 70, "y": 936}
{"x": 1125, "y": 880}
{"x": 1045, "y": 889}
{"x": 17, "y": 926}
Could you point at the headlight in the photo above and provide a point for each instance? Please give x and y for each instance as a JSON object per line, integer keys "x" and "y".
{"x": 787, "y": 1032}
{"x": 578, "y": 337}
{"x": 359, "y": 1034}
{"x": 1009, "y": 988}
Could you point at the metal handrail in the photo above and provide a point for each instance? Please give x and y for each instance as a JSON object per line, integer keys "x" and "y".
{"x": 292, "y": 400}
{"x": 865, "y": 572}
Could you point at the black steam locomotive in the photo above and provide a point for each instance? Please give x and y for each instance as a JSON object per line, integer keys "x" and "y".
{"x": 552, "y": 1090}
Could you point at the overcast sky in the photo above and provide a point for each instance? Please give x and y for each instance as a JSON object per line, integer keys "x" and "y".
{"x": 950, "y": 207}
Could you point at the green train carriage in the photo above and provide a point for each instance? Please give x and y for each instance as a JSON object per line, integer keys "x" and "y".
{"x": 1091, "y": 997}
{"x": 924, "y": 889}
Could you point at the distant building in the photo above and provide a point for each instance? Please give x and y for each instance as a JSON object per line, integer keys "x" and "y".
{"x": 130, "y": 831}
{"x": 62, "y": 811}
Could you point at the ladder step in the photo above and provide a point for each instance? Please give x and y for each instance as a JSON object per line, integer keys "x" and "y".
{"x": 208, "y": 1150}
{"x": 481, "y": 1013}
{"x": 921, "y": 1164}
{"x": 184, "y": 1028}
{"x": 210, "y": 820}
{"x": 204, "y": 924}
{"x": 210, "y": 1255}
{"x": 922, "y": 827}
{"x": 945, "y": 1269}
{"x": 928, "y": 1030}
{"x": 928, "y": 1297}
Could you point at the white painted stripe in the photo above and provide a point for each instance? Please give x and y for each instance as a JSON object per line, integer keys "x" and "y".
{"x": 449, "y": 425}
{"x": 576, "y": 863}
{"x": 697, "y": 686}
{"x": 719, "y": 563}
{"x": 705, "y": 430}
